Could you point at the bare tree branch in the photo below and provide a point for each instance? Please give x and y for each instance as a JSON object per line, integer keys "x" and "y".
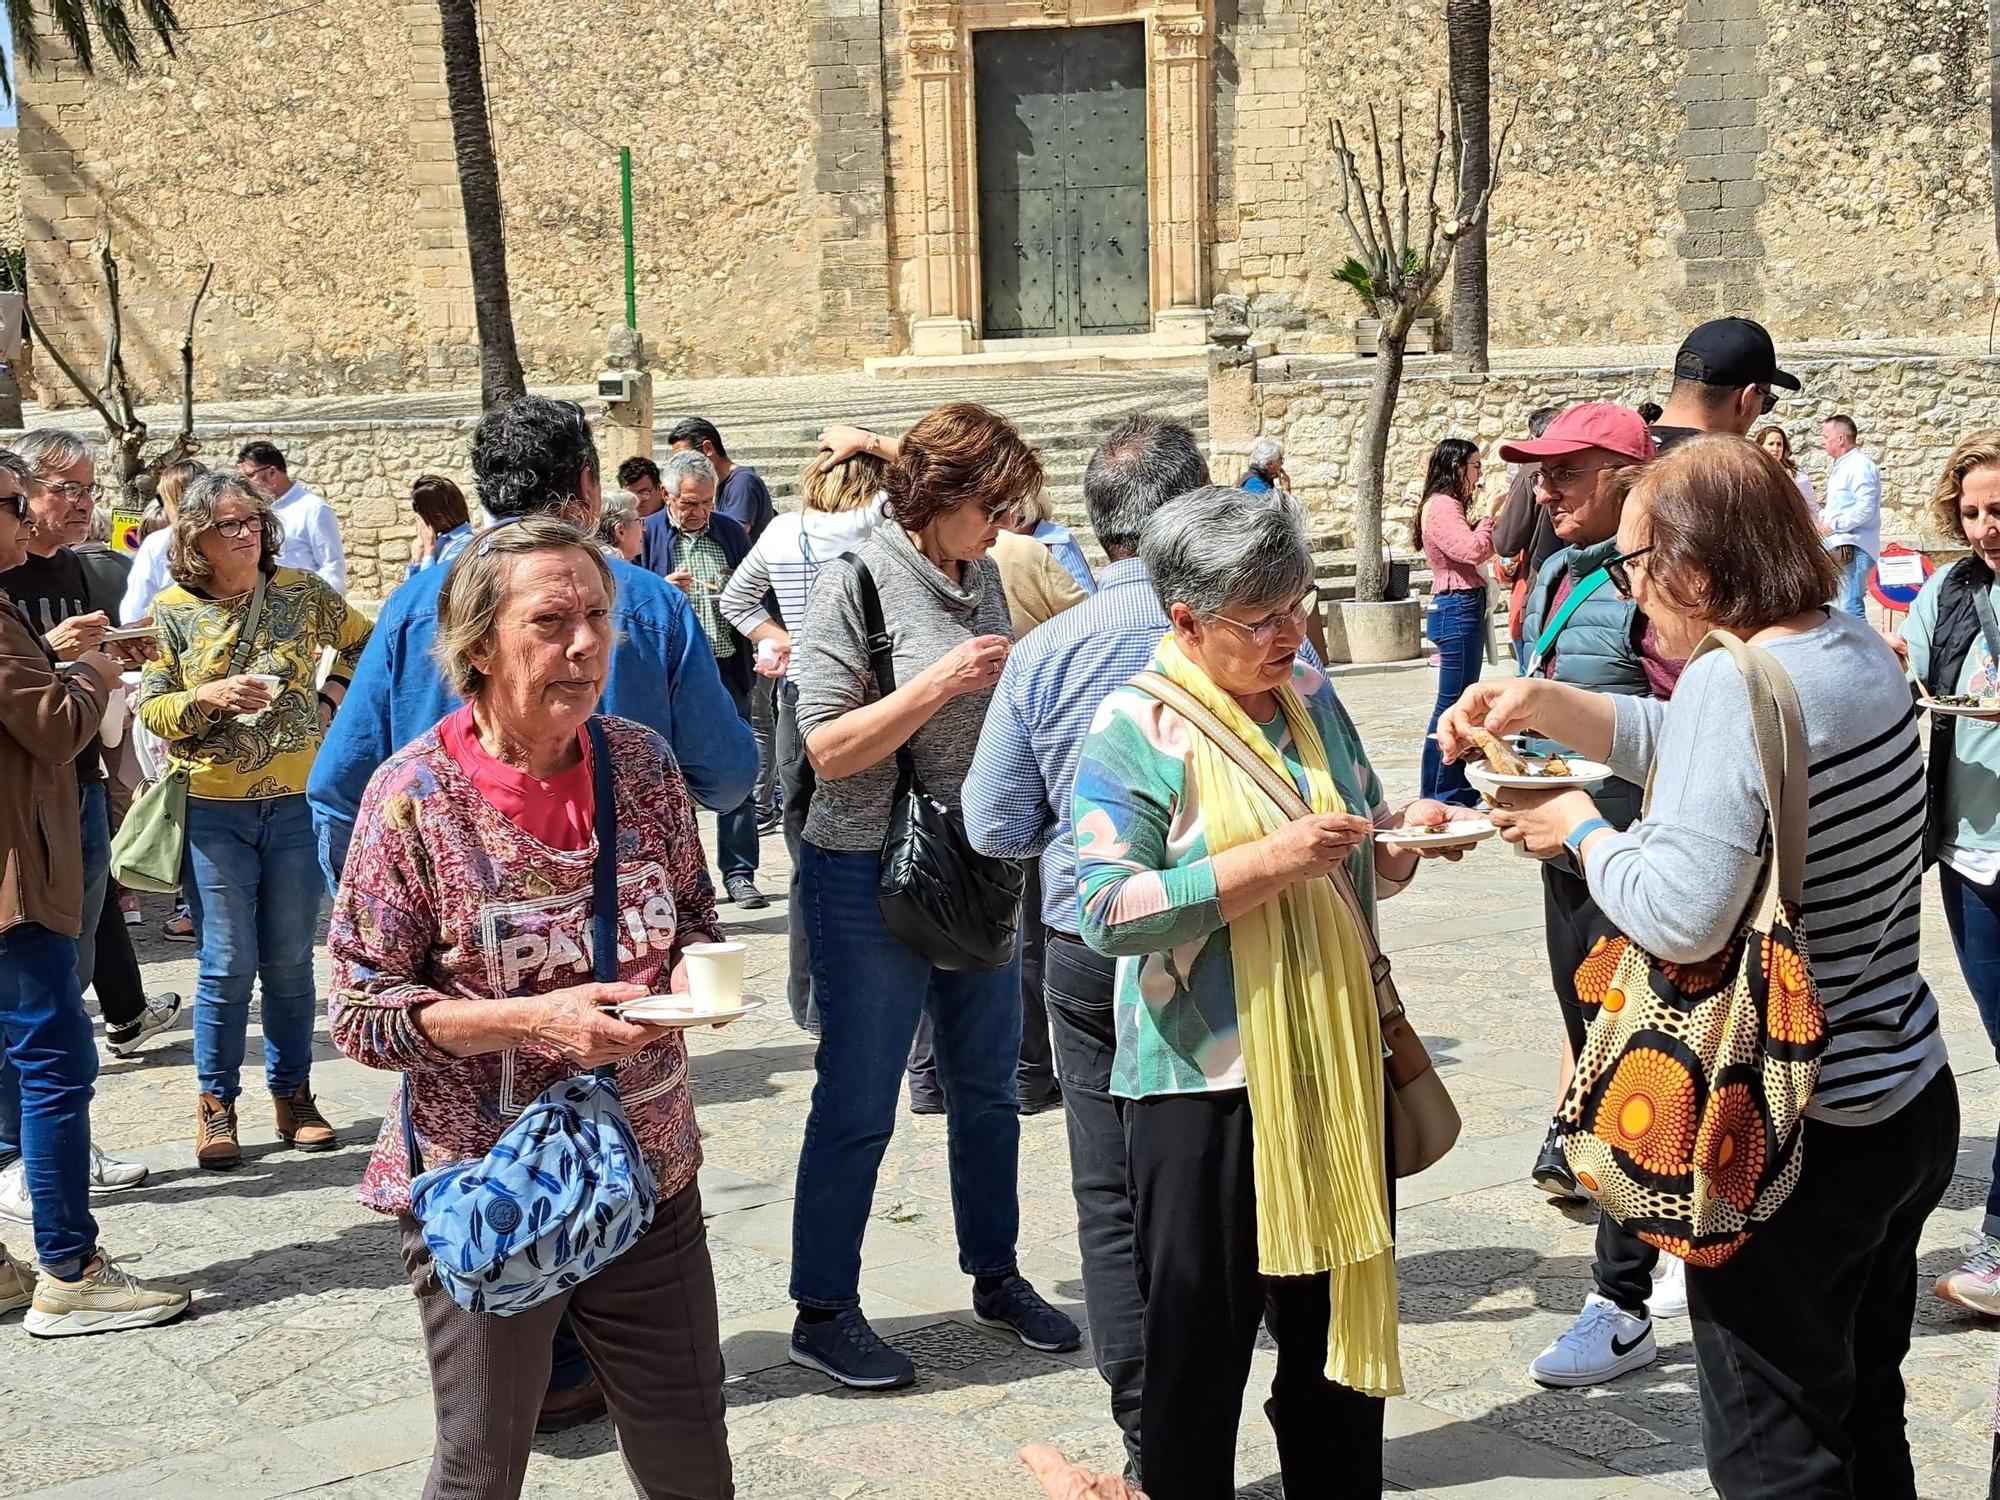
{"x": 186, "y": 437}
{"x": 1350, "y": 178}
{"x": 1403, "y": 210}
{"x": 1381, "y": 187}
{"x": 43, "y": 341}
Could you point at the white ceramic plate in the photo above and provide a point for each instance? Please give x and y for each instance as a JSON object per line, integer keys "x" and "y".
{"x": 1452, "y": 835}
{"x": 1582, "y": 773}
{"x": 682, "y": 1011}
{"x": 1957, "y": 711}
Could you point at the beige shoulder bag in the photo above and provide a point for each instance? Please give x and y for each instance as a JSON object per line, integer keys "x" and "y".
{"x": 1423, "y": 1122}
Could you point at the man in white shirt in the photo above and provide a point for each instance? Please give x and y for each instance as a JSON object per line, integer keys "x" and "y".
{"x": 312, "y": 534}
{"x": 1853, "y": 511}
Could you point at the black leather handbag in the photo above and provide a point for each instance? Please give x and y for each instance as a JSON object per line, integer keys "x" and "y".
{"x": 944, "y": 900}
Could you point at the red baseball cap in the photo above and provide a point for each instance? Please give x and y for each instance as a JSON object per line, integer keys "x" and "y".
{"x": 1597, "y": 424}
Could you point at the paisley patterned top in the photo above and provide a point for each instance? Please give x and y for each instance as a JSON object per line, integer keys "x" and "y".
{"x": 1147, "y": 885}
{"x": 268, "y": 754}
{"x": 444, "y": 898}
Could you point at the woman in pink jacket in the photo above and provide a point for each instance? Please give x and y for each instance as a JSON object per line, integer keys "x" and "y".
{"x": 1454, "y": 548}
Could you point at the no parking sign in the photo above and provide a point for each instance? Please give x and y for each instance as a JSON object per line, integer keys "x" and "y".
{"x": 1898, "y": 577}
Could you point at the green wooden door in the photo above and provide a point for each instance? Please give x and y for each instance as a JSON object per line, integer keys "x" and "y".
{"x": 1061, "y": 120}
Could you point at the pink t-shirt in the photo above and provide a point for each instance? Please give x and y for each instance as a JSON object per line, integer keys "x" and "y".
{"x": 559, "y": 811}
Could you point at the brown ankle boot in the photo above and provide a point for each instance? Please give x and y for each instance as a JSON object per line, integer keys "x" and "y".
{"x": 215, "y": 1135}
{"x": 300, "y": 1124}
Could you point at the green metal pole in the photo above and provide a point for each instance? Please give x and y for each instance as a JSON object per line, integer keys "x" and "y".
{"x": 631, "y": 274}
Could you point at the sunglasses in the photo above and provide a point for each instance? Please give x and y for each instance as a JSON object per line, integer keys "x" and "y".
{"x": 18, "y": 504}
{"x": 1770, "y": 399}
{"x": 1620, "y": 576}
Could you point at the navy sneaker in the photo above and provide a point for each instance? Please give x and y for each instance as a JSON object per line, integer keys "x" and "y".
{"x": 851, "y": 1352}
{"x": 1019, "y": 1308}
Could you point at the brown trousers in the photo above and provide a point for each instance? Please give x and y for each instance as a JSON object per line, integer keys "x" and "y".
{"x": 648, "y": 1323}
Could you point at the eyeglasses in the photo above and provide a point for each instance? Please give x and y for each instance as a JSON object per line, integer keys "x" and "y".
{"x": 231, "y": 530}
{"x": 1770, "y": 399}
{"x": 1264, "y": 631}
{"x": 74, "y": 490}
{"x": 1563, "y": 477}
{"x": 1616, "y": 571}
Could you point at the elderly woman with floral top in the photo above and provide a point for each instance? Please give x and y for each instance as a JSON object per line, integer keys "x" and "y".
{"x": 461, "y": 945}
{"x": 1249, "y": 1047}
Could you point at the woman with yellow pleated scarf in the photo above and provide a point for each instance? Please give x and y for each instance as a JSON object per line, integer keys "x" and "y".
{"x": 1248, "y": 1045}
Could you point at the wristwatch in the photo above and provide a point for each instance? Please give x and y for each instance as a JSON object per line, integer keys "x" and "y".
{"x": 1582, "y": 831}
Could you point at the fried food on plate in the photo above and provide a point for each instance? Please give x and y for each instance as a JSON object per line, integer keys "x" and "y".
{"x": 1497, "y": 754}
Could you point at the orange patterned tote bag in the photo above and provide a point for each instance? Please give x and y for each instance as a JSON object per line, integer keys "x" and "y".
{"x": 1683, "y": 1120}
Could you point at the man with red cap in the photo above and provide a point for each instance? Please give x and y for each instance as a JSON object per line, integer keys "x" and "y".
{"x": 1584, "y": 633}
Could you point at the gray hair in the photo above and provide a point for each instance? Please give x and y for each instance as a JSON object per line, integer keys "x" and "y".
{"x": 686, "y": 463}
{"x": 100, "y": 524}
{"x": 47, "y": 450}
{"x": 480, "y": 581}
{"x": 1265, "y": 454}
{"x": 1143, "y": 462}
{"x": 621, "y": 508}
{"x": 1219, "y": 547}
{"x": 16, "y": 465}
{"x": 196, "y": 514}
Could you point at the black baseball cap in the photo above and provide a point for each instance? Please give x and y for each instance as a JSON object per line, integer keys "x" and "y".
{"x": 1731, "y": 352}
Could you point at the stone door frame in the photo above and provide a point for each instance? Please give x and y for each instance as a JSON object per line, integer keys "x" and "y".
{"x": 941, "y": 171}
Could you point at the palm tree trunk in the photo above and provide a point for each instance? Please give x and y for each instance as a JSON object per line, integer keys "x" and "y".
{"x": 1469, "y": 32}
{"x": 500, "y": 379}
{"x": 1371, "y": 579}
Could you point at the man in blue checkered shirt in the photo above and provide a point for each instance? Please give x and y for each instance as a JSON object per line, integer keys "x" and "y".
{"x": 1017, "y": 800}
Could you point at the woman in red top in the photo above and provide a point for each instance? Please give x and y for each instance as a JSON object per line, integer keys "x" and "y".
{"x": 1455, "y": 549}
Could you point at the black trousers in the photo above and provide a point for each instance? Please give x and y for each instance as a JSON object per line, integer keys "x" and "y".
{"x": 795, "y": 779}
{"x": 121, "y": 992}
{"x": 1077, "y": 987}
{"x": 1195, "y": 1229}
{"x": 1800, "y": 1336}
{"x": 1623, "y": 1267}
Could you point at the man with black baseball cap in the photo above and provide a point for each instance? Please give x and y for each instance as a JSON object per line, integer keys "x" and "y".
{"x": 1726, "y": 377}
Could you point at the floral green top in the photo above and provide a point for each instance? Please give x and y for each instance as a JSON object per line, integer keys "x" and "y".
{"x": 267, "y": 754}
{"x": 1147, "y": 885}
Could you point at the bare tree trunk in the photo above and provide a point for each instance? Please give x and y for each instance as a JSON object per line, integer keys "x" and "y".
{"x": 1469, "y": 31}
{"x": 1371, "y": 579}
{"x": 500, "y": 378}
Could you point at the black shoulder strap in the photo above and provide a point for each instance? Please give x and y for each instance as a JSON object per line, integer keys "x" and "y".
{"x": 881, "y": 649}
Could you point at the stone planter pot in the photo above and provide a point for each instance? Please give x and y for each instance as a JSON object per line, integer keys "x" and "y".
{"x": 1422, "y": 340}
{"x": 1357, "y": 632}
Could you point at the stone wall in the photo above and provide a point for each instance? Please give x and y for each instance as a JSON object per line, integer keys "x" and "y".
{"x": 1910, "y": 411}
{"x": 10, "y": 188}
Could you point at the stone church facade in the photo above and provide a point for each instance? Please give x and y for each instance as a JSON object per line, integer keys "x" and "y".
{"x": 822, "y": 181}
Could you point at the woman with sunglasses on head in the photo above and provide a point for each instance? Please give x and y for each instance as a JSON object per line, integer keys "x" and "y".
{"x": 1454, "y": 547}
{"x": 1800, "y": 1332}
{"x": 956, "y": 478}
{"x": 242, "y": 716}
{"x": 1583, "y": 632}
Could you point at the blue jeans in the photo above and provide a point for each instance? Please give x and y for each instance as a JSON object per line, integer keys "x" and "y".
{"x": 96, "y": 876}
{"x": 870, "y": 990}
{"x": 1457, "y": 624}
{"x": 1854, "y": 582}
{"x": 1972, "y": 912}
{"x": 53, "y": 1066}
{"x": 736, "y": 830}
{"x": 253, "y": 885}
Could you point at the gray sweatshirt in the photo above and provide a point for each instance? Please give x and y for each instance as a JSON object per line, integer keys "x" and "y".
{"x": 1681, "y": 879}
{"x": 927, "y": 616}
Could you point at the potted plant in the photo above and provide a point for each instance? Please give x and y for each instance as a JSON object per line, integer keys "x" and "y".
{"x": 1355, "y": 274}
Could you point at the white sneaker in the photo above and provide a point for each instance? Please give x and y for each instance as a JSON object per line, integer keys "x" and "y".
{"x": 17, "y": 1282}
{"x": 15, "y": 1205}
{"x": 159, "y": 1011}
{"x": 1603, "y": 1343}
{"x": 108, "y": 1174}
{"x": 1670, "y": 1288}
{"x": 1975, "y": 1282}
{"x": 106, "y": 1300}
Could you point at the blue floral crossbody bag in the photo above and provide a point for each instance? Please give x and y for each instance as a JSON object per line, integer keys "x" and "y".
{"x": 565, "y": 1191}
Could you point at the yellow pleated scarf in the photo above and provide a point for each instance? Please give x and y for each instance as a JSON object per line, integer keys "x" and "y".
{"x": 1312, "y": 1050}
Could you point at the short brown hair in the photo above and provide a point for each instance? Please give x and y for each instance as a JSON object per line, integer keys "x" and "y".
{"x": 438, "y": 502}
{"x": 480, "y": 580}
{"x": 1733, "y": 541}
{"x": 1974, "y": 451}
{"x": 960, "y": 454}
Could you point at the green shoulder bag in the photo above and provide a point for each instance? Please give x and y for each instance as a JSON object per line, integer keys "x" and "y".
{"x": 152, "y": 841}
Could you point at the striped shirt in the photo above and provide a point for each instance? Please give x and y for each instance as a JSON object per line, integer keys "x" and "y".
{"x": 784, "y": 565}
{"x": 1017, "y": 794}
{"x": 1680, "y": 880}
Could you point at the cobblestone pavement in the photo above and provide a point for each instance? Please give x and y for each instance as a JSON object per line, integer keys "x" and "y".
{"x": 300, "y": 1371}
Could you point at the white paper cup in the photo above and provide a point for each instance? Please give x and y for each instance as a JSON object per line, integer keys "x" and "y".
{"x": 767, "y": 652}
{"x": 270, "y": 680}
{"x": 715, "y": 972}
{"x": 111, "y": 730}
